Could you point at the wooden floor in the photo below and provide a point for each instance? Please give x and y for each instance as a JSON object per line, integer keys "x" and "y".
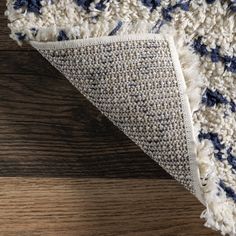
{"x": 66, "y": 170}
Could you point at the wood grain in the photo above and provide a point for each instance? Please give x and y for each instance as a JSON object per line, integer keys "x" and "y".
{"x": 26, "y": 63}
{"x": 98, "y": 207}
{"x": 66, "y": 170}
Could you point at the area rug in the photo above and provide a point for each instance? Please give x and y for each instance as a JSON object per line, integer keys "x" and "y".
{"x": 163, "y": 71}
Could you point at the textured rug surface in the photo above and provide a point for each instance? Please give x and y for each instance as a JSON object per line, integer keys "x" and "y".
{"x": 163, "y": 71}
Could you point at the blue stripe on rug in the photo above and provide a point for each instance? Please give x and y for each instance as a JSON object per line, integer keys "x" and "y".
{"x": 212, "y": 98}
{"x": 219, "y": 148}
{"x": 85, "y": 4}
{"x": 230, "y": 193}
{"x": 116, "y": 29}
{"x": 30, "y": 5}
{"x": 215, "y": 55}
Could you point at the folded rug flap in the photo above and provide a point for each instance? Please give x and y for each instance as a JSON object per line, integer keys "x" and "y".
{"x": 136, "y": 81}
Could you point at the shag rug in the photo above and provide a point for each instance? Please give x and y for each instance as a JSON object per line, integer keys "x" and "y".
{"x": 163, "y": 71}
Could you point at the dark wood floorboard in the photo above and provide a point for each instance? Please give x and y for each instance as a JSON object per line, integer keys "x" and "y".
{"x": 98, "y": 207}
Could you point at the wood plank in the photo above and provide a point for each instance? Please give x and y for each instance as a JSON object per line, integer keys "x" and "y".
{"x": 143, "y": 207}
{"x": 48, "y": 129}
{"x": 26, "y": 62}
